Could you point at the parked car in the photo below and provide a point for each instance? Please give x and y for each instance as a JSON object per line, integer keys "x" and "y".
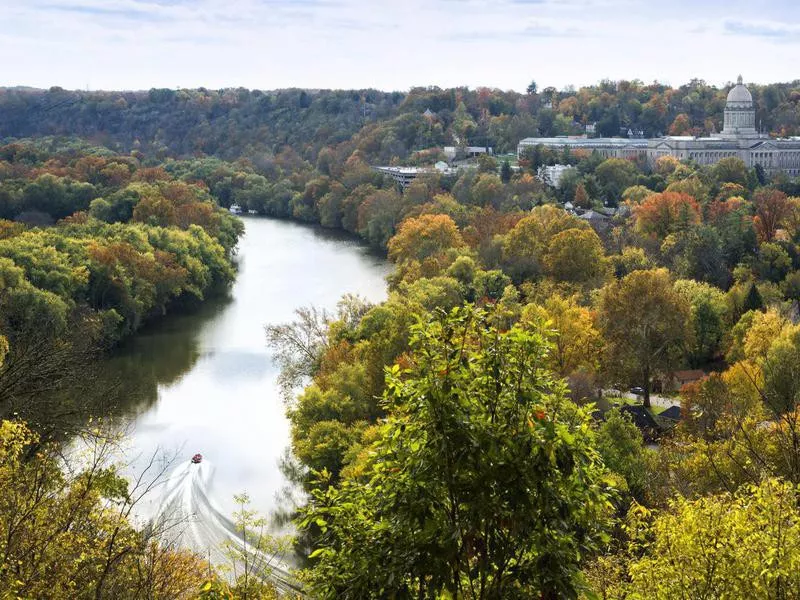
{"x": 639, "y": 391}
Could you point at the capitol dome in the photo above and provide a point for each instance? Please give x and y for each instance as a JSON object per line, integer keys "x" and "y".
{"x": 739, "y": 94}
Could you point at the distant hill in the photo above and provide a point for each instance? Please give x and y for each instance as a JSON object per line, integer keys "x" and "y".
{"x": 233, "y": 123}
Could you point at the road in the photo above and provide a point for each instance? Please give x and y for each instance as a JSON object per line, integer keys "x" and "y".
{"x": 655, "y": 400}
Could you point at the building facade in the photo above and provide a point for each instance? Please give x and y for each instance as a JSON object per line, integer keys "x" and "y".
{"x": 739, "y": 138}
{"x": 605, "y": 147}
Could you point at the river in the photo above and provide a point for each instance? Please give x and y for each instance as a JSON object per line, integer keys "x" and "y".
{"x": 205, "y": 382}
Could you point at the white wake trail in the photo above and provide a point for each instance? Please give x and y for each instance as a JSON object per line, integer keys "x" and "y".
{"x": 194, "y": 521}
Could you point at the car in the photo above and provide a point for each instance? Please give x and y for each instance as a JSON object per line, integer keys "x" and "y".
{"x": 197, "y": 458}
{"x": 639, "y": 391}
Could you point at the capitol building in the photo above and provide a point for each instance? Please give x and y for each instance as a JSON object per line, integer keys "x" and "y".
{"x": 739, "y": 138}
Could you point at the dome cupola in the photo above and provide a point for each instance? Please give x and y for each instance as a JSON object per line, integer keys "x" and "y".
{"x": 739, "y": 94}
{"x": 740, "y": 114}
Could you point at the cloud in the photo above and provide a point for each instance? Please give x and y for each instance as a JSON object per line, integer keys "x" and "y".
{"x": 532, "y": 31}
{"x": 772, "y": 31}
{"x": 388, "y": 44}
{"x": 132, "y": 13}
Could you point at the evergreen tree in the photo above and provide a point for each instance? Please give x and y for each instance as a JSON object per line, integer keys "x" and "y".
{"x": 753, "y": 300}
{"x": 505, "y": 172}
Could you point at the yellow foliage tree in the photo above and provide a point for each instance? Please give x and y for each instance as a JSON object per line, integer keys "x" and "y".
{"x": 424, "y": 237}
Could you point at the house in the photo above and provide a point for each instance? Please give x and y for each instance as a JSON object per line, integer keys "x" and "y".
{"x": 642, "y": 418}
{"x": 673, "y": 413}
{"x": 676, "y": 380}
{"x": 599, "y": 222}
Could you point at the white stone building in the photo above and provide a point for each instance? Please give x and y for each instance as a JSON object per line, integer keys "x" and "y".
{"x": 552, "y": 174}
{"x": 606, "y": 147}
{"x": 739, "y": 138}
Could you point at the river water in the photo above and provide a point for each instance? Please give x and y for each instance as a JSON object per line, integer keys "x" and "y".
{"x": 205, "y": 382}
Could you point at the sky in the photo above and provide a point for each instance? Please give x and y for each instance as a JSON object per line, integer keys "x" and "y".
{"x": 393, "y": 45}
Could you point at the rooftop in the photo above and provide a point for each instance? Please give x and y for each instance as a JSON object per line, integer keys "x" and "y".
{"x": 584, "y": 142}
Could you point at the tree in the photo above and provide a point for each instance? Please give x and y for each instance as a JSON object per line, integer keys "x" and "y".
{"x": 631, "y": 259}
{"x": 424, "y": 237}
{"x": 772, "y": 208}
{"x": 708, "y": 317}
{"x": 681, "y": 125}
{"x": 483, "y": 483}
{"x": 487, "y": 164}
{"x": 645, "y": 326}
{"x": 505, "y": 172}
{"x": 636, "y": 194}
{"x": 773, "y": 262}
{"x": 576, "y": 342}
{"x": 661, "y": 214}
{"x": 753, "y": 299}
{"x": 614, "y": 176}
{"x": 581, "y": 198}
{"x": 692, "y": 186}
{"x": 532, "y": 87}
{"x": 250, "y": 556}
{"x": 525, "y": 244}
{"x": 731, "y": 170}
{"x": 739, "y": 545}
{"x": 621, "y": 445}
{"x": 68, "y": 528}
{"x": 488, "y": 190}
{"x": 575, "y": 256}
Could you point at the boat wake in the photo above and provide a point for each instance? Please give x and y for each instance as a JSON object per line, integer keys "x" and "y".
{"x": 192, "y": 520}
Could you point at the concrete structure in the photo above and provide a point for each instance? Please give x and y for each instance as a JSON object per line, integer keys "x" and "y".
{"x": 606, "y": 147}
{"x": 552, "y": 174}
{"x": 468, "y": 151}
{"x": 739, "y": 138}
{"x": 405, "y": 175}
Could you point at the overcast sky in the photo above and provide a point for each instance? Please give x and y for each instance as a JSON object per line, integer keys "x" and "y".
{"x": 393, "y": 44}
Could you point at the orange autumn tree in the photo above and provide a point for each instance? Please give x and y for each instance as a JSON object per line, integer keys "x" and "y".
{"x": 581, "y": 197}
{"x": 681, "y": 125}
{"x": 665, "y": 213}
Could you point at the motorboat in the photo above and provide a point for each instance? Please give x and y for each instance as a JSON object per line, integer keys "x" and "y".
{"x": 235, "y": 209}
{"x": 197, "y": 458}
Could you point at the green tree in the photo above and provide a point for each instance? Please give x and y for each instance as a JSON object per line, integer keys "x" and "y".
{"x": 483, "y": 483}
{"x": 505, "y": 172}
{"x": 615, "y": 175}
{"x": 251, "y": 554}
{"x": 645, "y": 325}
{"x": 708, "y": 318}
{"x": 621, "y": 445}
{"x": 731, "y": 170}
